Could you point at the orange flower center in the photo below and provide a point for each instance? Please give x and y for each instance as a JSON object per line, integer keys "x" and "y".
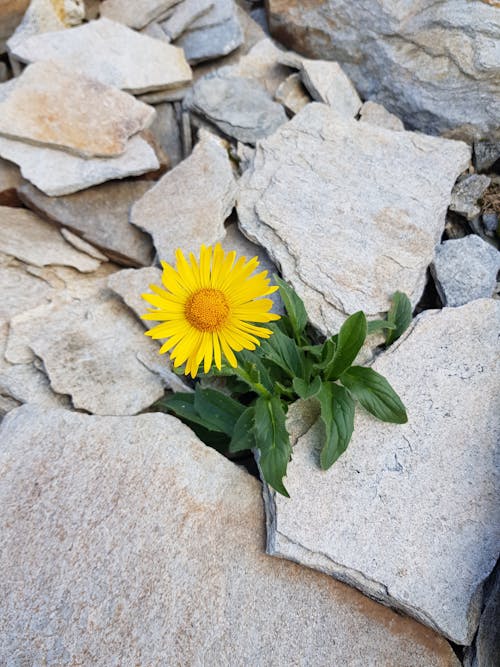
{"x": 207, "y": 309}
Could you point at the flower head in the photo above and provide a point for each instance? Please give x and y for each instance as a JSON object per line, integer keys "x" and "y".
{"x": 209, "y": 308}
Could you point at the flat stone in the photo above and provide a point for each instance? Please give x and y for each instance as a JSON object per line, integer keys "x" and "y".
{"x": 465, "y": 269}
{"x": 188, "y": 206}
{"x": 20, "y": 290}
{"x": 137, "y": 14}
{"x": 166, "y": 95}
{"x": 407, "y": 514}
{"x": 11, "y": 14}
{"x": 131, "y": 283}
{"x": 112, "y": 54}
{"x": 26, "y": 384}
{"x": 211, "y": 42}
{"x": 130, "y": 523}
{"x": 29, "y": 238}
{"x": 10, "y": 180}
{"x": 166, "y": 131}
{"x": 59, "y": 173}
{"x": 411, "y": 57}
{"x": 466, "y": 193}
{"x": 350, "y": 212}
{"x": 47, "y": 16}
{"x": 101, "y": 216}
{"x": 292, "y": 94}
{"x": 49, "y": 106}
{"x": 239, "y": 107}
{"x": 221, "y": 11}
{"x": 184, "y": 14}
{"x": 78, "y": 243}
{"x": 376, "y": 114}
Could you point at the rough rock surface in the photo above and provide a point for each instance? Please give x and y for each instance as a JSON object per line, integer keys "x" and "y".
{"x": 112, "y": 54}
{"x": 408, "y": 513}
{"x": 20, "y": 290}
{"x": 184, "y": 14}
{"x": 101, "y": 216}
{"x": 47, "y": 16}
{"x": 412, "y": 57}
{"x": 58, "y": 173}
{"x": 376, "y": 114}
{"x": 188, "y": 205}
{"x": 239, "y": 107}
{"x": 165, "y": 129}
{"x": 131, "y": 283}
{"x": 121, "y": 536}
{"x": 349, "y": 211}
{"x": 485, "y": 650}
{"x": 29, "y": 238}
{"x": 137, "y": 14}
{"x": 50, "y": 106}
{"x": 292, "y": 94}
{"x": 465, "y": 269}
{"x": 11, "y": 14}
{"x": 466, "y": 193}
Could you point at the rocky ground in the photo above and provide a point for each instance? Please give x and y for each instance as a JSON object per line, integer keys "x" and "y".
{"x": 130, "y": 129}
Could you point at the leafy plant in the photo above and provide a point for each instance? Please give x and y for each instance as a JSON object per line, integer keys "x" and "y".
{"x": 251, "y": 412}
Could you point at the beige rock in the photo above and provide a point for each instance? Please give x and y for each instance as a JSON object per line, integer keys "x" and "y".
{"x": 11, "y": 14}
{"x": 408, "y": 512}
{"x": 58, "y": 173}
{"x": 78, "y": 243}
{"x": 47, "y": 16}
{"x": 136, "y": 14}
{"x": 376, "y": 114}
{"x": 112, "y": 54}
{"x": 10, "y": 180}
{"x": 20, "y": 290}
{"x": 183, "y": 16}
{"x": 132, "y": 543}
{"x": 101, "y": 216}
{"x": 29, "y": 238}
{"x": 188, "y": 206}
{"x": 292, "y": 94}
{"x": 49, "y": 106}
{"x": 131, "y": 283}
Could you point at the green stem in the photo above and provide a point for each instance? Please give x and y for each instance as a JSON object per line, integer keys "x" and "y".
{"x": 256, "y": 386}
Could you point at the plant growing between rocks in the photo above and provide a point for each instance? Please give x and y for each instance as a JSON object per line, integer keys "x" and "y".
{"x": 208, "y": 309}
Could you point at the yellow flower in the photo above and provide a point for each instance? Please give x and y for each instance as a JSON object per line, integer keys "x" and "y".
{"x": 208, "y": 306}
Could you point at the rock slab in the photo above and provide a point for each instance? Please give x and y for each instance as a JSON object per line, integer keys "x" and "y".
{"x": 127, "y": 541}
{"x": 409, "y": 514}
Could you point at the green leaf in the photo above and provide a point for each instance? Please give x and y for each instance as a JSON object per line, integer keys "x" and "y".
{"x": 399, "y": 315}
{"x": 273, "y": 441}
{"x": 378, "y": 325}
{"x": 337, "y": 414}
{"x": 375, "y": 394}
{"x": 327, "y": 354}
{"x": 218, "y": 411}
{"x": 305, "y": 390}
{"x": 243, "y": 434}
{"x": 284, "y": 352}
{"x": 252, "y": 371}
{"x": 182, "y": 405}
{"x": 294, "y": 306}
{"x": 351, "y": 337}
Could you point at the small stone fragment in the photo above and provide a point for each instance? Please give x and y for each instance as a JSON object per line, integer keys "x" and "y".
{"x": 136, "y": 14}
{"x": 292, "y": 94}
{"x": 20, "y": 290}
{"x": 188, "y": 206}
{"x": 112, "y": 54}
{"x": 29, "y": 238}
{"x": 10, "y": 180}
{"x": 78, "y": 243}
{"x": 165, "y": 129}
{"x": 466, "y": 193}
{"x": 486, "y": 153}
{"x": 58, "y": 173}
{"x": 465, "y": 269}
{"x": 101, "y": 216}
{"x": 240, "y": 107}
{"x": 47, "y": 16}
{"x": 26, "y": 384}
{"x": 490, "y": 221}
{"x": 376, "y": 114}
{"x": 4, "y": 72}
{"x": 183, "y": 16}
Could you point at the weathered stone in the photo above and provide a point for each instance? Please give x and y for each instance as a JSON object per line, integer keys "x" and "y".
{"x": 20, "y": 290}
{"x": 78, "y": 243}
{"x": 165, "y": 129}
{"x": 188, "y": 206}
{"x": 211, "y": 42}
{"x": 412, "y": 57}
{"x": 466, "y": 193}
{"x": 11, "y": 14}
{"x": 101, "y": 216}
{"x": 29, "y": 238}
{"x": 4, "y": 72}
{"x": 49, "y": 106}
{"x": 240, "y": 107}
{"x": 350, "y": 212}
{"x": 490, "y": 221}
{"x": 486, "y": 153}
{"x": 58, "y": 173}
{"x": 26, "y": 384}
{"x": 484, "y": 653}
{"x": 112, "y": 54}
{"x": 184, "y": 14}
{"x": 132, "y": 523}
{"x": 166, "y": 95}
{"x": 465, "y": 269}
{"x": 92, "y": 9}
{"x": 136, "y": 14}
{"x": 292, "y": 94}
{"x": 407, "y": 514}
{"x": 10, "y": 180}
{"x": 47, "y": 16}
{"x": 131, "y": 283}
{"x": 376, "y": 114}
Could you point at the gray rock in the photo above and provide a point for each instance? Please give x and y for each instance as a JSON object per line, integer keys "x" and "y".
{"x": 58, "y": 173}
{"x": 137, "y": 14}
{"x": 165, "y": 129}
{"x": 168, "y": 95}
{"x": 350, "y": 212}
{"x": 292, "y": 94}
{"x": 486, "y": 153}
{"x": 47, "y": 16}
{"x": 127, "y": 541}
{"x": 211, "y": 42}
{"x": 484, "y": 653}
{"x": 465, "y": 269}
{"x": 490, "y": 221}
{"x": 412, "y": 57}
{"x": 188, "y": 205}
{"x": 101, "y": 216}
{"x": 466, "y": 193}
{"x": 221, "y": 11}
{"x": 184, "y": 14}
{"x": 239, "y": 107}
{"x": 408, "y": 512}
{"x": 112, "y": 54}
{"x": 78, "y": 243}
{"x": 4, "y": 72}
{"x": 376, "y": 114}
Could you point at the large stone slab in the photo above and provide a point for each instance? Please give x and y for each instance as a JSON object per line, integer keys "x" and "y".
{"x": 188, "y": 205}
{"x": 50, "y": 106}
{"x": 412, "y": 57}
{"x": 350, "y": 212}
{"x": 112, "y": 54}
{"x": 29, "y": 238}
{"x": 137, "y": 14}
{"x": 127, "y": 541}
{"x": 101, "y": 216}
{"x": 58, "y": 173}
{"x": 409, "y": 513}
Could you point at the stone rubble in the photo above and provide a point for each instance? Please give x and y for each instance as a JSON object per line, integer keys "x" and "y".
{"x": 137, "y": 14}
{"x": 292, "y": 94}
{"x": 466, "y": 193}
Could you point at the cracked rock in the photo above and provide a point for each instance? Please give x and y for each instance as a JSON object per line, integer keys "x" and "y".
{"x": 466, "y": 193}
{"x": 408, "y": 512}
